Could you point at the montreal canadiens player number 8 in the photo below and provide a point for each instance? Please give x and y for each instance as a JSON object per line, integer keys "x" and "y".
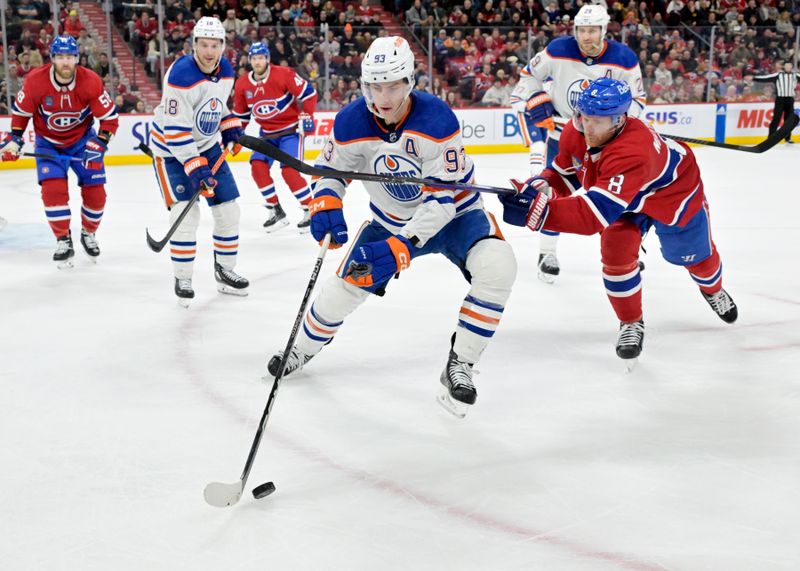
{"x": 185, "y": 137}
{"x": 393, "y": 129}
{"x": 634, "y": 180}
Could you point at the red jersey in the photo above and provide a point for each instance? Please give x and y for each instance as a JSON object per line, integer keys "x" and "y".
{"x": 274, "y": 102}
{"x": 637, "y": 172}
{"x": 63, "y": 114}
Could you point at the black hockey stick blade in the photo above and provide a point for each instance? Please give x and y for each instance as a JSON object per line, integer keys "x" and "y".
{"x": 158, "y": 245}
{"x": 765, "y": 145}
{"x": 51, "y": 157}
{"x": 146, "y": 150}
{"x": 261, "y": 146}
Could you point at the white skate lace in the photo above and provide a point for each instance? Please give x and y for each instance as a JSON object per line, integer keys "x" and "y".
{"x": 460, "y": 375}
{"x": 89, "y": 240}
{"x": 306, "y": 215}
{"x": 296, "y": 361}
{"x": 63, "y": 246}
{"x": 631, "y": 334}
{"x": 720, "y": 302}
{"x": 185, "y": 284}
{"x": 230, "y": 275}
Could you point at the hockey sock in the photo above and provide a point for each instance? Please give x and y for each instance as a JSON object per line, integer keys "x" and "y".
{"x": 298, "y": 185}
{"x": 94, "y": 200}
{"x": 548, "y": 241}
{"x": 55, "y": 196}
{"x": 226, "y": 233}
{"x": 263, "y": 179}
{"x": 493, "y": 268}
{"x": 335, "y": 301}
{"x": 183, "y": 244}
{"x": 624, "y": 289}
{"x": 708, "y": 273}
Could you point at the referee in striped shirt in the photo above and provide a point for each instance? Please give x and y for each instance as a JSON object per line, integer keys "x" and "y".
{"x": 785, "y": 83}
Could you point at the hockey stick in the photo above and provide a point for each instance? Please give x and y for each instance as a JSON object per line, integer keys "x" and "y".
{"x": 157, "y": 246}
{"x": 220, "y": 494}
{"x": 761, "y": 147}
{"x": 274, "y": 152}
{"x": 51, "y": 157}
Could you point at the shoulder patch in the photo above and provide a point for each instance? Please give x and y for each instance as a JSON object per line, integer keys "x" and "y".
{"x": 620, "y": 54}
{"x": 432, "y": 117}
{"x": 564, "y": 47}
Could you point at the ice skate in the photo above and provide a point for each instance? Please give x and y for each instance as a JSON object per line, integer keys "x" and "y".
{"x": 64, "y": 253}
{"x": 548, "y": 268}
{"x": 723, "y": 305}
{"x": 629, "y": 343}
{"x": 457, "y": 393}
{"x": 90, "y": 245}
{"x": 296, "y": 361}
{"x": 184, "y": 291}
{"x": 305, "y": 224}
{"x": 230, "y": 282}
{"x": 276, "y": 218}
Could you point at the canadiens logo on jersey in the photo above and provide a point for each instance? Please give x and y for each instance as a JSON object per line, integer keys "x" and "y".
{"x": 208, "y": 117}
{"x": 268, "y": 108}
{"x": 397, "y": 165}
{"x": 63, "y": 121}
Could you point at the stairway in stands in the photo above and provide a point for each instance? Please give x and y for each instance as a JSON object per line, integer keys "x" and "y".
{"x": 394, "y": 27}
{"x": 94, "y": 19}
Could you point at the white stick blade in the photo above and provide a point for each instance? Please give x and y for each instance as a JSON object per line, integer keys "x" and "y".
{"x": 222, "y": 495}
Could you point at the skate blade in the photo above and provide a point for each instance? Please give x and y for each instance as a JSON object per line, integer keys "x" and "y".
{"x": 546, "y": 278}
{"x": 454, "y": 407}
{"x": 630, "y": 364}
{"x": 277, "y": 226}
{"x": 304, "y": 229}
{"x": 184, "y": 302}
{"x": 228, "y": 290}
{"x": 66, "y": 264}
{"x": 91, "y": 258}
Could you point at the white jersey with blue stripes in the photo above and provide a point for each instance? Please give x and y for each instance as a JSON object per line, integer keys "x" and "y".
{"x": 425, "y": 143}
{"x": 187, "y": 120}
{"x": 571, "y": 72}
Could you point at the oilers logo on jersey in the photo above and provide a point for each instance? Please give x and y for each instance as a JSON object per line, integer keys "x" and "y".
{"x": 209, "y": 117}
{"x": 574, "y": 91}
{"x": 397, "y": 165}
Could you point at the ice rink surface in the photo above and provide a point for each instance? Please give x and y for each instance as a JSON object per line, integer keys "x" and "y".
{"x": 118, "y": 406}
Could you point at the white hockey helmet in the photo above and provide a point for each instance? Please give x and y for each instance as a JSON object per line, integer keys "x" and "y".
{"x": 592, "y": 15}
{"x": 208, "y": 27}
{"x": 387, "y": 59}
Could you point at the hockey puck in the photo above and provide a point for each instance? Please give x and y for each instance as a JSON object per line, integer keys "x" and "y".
{"x": 263, "y": 490}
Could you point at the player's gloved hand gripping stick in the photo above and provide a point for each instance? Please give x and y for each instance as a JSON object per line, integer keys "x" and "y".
{"x": 157, "y": 246}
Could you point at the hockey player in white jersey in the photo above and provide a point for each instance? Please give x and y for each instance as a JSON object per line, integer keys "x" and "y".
{"x": 185, "y": 137}
{"x": 568, "y": 64}
{"x": 393, "y": 129}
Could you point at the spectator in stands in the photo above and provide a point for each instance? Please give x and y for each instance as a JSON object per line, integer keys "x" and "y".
{"x": 213, "y": 8}
{"x": 139, "y": 108}
{"x": 73, "y": 25}
{"x": 102, "y": 68}
{"x": 234, "y": 24}
{"x": 143, "y": 31}
{"x": 14, "y": 81}
{"x": 263, "y": 14}
{"x": 348, "y": 70}
{"x": 416, "y": 15}
{"x": 153, "y": 56}
{"x": 27, "y": 12}
{"x": 496, "y": 95}
{"x": 453, "y": 100}
{"x": 327, "y": 102}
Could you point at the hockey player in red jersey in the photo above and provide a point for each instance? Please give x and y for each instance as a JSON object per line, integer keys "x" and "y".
{"x": 64, "y": 99}
{"x": 633, "y": 180}
{"x": 283, "y": 105}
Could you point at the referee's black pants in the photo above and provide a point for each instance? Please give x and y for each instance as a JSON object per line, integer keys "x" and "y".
{"x": 784, "y": 107}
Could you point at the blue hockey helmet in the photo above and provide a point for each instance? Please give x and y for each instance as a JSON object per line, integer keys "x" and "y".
{"x": 258, "y": 49}
{"x": 605, "y": 97}
{"x": 64, "y": 45}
